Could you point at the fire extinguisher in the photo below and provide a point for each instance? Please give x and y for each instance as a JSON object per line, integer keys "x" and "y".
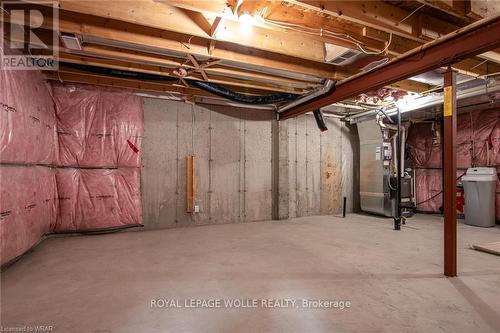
{"x": 460, "y": 202}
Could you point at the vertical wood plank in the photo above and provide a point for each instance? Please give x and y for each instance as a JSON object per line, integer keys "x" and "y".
{"x": 190, "y": 183}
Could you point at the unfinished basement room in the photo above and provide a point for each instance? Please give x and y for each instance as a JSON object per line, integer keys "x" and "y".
{"x": 250, "y": 166}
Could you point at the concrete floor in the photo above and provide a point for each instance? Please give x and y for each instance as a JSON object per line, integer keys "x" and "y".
{"x": 392, "y": 279}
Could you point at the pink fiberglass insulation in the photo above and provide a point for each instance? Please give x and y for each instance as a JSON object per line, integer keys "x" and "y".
{"x": 424, "y": 145}
{"x": 478, "y": 144}
{"x": 28, "y": 201}
{"x": 428, "y": 183}
{"x": 98, "y": 127}
{"x": 27, "y": 119}
{"x": 92, "y": 199}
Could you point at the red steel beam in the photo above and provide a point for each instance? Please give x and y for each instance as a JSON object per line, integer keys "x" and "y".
{"x": 476, "y": 38}
{"x": 450, "y": 173}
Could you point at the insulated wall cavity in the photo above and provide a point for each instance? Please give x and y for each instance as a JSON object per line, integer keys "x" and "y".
{"x": 100, "y": 135}
{"x": 478, "y": 144}
{"x": 27, "y": 119}
{"x": 44, "y": 132}
{"x": 28, "y": 198}
{"x": 91, "y": 199}
{"x": 98, "y": 127}
{"x": 28, "y": 146}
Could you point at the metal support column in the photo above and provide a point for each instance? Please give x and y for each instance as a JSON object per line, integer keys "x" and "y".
{"x": 450, "y": 173}
{"x": 399, "y": 167}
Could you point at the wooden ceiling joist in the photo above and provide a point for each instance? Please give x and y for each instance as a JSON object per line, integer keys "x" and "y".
{"x": 220, "y": 71}
{"x": 379, "y": 15}
{"x": 459, "y": 9}
{"x": 285, "y": 51}
{"x": 319, "y": 17}
{"x": 112, "y": 30}
{"x": 157, "y": 70}
{"x": 171, "y": 62}
{"x": 101, "y": 80}
{"x": 476, "y": 38}
{"x": 162, "y": 16}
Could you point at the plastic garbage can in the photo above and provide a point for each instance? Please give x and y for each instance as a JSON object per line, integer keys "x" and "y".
{"x": 479, "y": 185}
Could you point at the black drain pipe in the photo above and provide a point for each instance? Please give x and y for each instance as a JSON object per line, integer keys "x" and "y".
{"x": 320, "y": 121}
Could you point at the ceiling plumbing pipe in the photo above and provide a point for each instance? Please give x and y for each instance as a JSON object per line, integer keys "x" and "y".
{"x": 325, "y": 88}
{"x": 385, "y": 114}
{"x": 380, "y": 121}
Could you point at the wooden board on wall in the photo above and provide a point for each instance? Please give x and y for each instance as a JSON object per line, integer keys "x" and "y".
{"x": 190, "y": 183}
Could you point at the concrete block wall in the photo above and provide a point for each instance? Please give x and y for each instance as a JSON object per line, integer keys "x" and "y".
{"x": 249, "y": 167}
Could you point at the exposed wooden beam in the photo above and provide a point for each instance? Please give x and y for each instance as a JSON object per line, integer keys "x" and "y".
{"x": 114, "y": 31}
{"x": 197, "y": 66}
{"x": 157, "y": 70}
{"x": 476, "y": 38}
{"x": 75, "y": 76}
{"x": 374, "y": 14}
{"x": 162, "y": 16}
{"x": 215, "y": 26}
{"x": 279, "y": 16}
{"x": 208, "y": 6}
{"x": 454, "y": 9}
{"x": 473, "y": 66}
{"x": 412, "y": 86}
{"x": 211, "y": 46}
{"x": 276, "y": 11}
{"x": 102, "y": 80}
{"x": 492, "y": 56}
{"x": 93, "y": 50}
{"x": 200, "y": 21}
{"x": 463, "y": 7}
{"x": 380, "y": 15}
{"x": 273, "y": 10}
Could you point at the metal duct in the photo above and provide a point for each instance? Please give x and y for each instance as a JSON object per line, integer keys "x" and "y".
{"x": 374, "y": 192}
{"x": 327, "y": 87}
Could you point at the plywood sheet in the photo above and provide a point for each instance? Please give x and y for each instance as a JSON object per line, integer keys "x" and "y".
{"x": 493, "y": 248}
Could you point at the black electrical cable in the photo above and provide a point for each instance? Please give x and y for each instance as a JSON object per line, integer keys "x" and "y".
{"x": 100, "y": 231}
{"x": 435, "y": 195}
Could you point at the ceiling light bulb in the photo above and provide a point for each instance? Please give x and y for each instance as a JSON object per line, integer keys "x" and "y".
{"x": 246, "y": 24}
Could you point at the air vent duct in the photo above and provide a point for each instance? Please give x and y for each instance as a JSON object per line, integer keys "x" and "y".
{"x": 71, "y": 41}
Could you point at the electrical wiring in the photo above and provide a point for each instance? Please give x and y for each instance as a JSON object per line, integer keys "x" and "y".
{"x": 324, "y": 32}
{"x": 438, "y": 193}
